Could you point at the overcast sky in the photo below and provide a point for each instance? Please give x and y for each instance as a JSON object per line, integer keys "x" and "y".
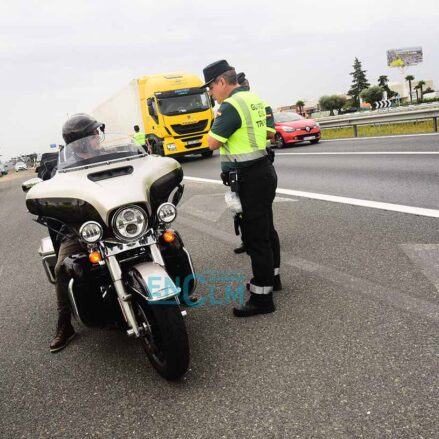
{"x": 61, "y": 57}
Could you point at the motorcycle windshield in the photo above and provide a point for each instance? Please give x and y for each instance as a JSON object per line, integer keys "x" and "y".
{"x": 95, "y": 150}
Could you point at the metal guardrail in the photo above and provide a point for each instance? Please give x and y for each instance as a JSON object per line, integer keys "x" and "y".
{"x": 365, "y": 113}
{"x": 380, "y": 118}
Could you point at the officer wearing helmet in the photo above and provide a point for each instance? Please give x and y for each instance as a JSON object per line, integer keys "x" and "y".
{"x": 81, "y": 134}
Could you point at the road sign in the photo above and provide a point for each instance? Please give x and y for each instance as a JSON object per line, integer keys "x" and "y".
{"x": 382, "y": 104}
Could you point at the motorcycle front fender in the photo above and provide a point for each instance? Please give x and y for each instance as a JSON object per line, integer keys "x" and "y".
{"x": 151, "y": 281}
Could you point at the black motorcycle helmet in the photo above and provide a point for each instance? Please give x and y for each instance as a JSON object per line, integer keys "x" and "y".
{"x": 80, "y": 125}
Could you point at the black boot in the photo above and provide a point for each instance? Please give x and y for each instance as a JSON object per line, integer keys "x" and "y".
{"x": 277, "y": 284}
{"x": 257, "y": 304}
{"x": 240, "y": 249}
{"x": 64, "y": 333}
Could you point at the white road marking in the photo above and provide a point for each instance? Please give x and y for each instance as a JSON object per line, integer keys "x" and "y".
{"x": 432, "y": 213}
{"x": 203, "y": 180}
{"x": 396, "y": 136}
{"x": 361, "y": 153}
{"x": 283, "y": 200}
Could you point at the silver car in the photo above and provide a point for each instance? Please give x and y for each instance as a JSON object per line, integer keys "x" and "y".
{"x": 20, "y": 166}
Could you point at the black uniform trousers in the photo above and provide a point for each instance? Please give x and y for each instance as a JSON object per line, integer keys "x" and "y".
{"x": 257, "y": 190}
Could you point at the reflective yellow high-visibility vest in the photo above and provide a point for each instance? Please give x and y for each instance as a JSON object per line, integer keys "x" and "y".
{"x": 250, "y": 140}
{"x": 139, "y": 138}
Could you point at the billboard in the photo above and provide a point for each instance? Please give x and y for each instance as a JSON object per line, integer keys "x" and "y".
{"x": 408, "y": 56}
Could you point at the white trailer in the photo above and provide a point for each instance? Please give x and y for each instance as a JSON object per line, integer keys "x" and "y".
{"x": 121, "y": 111}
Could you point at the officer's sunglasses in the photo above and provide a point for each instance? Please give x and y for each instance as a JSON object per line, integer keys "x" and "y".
{"x": 214, "y": 82}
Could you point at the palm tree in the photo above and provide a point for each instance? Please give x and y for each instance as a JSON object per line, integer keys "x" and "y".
{"x": 300, "y": 105}
{"x": 421, "y": 85}
{"x": 410, "y": 78}
{"x": 417, "y": 94}
{"x": 382, "y": 81}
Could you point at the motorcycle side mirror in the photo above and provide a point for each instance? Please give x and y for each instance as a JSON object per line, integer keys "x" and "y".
{"x": 29, "y": 184}
{"x": 178, "y": 194}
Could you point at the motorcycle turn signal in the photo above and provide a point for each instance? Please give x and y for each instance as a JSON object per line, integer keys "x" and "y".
{"x": 95, "y": 257}
{"x": 168, "y": 236}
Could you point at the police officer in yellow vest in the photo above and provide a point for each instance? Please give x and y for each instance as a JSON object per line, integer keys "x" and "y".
{"x": 240, "y": 133}
{"x": 140, "y": 138}
{"x": 244, "y": 84}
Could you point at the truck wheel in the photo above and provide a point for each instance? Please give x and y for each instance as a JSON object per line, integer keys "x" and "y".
{"x": 207, "y": 154}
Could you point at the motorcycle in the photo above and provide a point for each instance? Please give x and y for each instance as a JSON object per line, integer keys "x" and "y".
{"x": 134, "y": 270}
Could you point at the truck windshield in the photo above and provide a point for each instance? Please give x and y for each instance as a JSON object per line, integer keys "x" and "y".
{"x": 189, "y": 103}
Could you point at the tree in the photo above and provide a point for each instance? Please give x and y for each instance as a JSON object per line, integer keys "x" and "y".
{"x": 417, "y": 93}
{"x": 299, "y": 106}
{"x": 331, "y": 103}
{"x": 420, "y": 86}
{"x": 359, "y": 82}
{"x": 390, "y": 93}
{"x": 339, "y": 102}
{"x": 383, "y": 82}
{"x": 326, "y": 104}
{"x": 410, "y": 78}
{"x": 372, "y": 94}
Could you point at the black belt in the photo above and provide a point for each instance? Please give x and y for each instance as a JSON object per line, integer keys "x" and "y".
{"x": 255, "y": 164}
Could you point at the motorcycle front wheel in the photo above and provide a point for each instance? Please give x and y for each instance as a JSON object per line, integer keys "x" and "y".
{"x": 164, "y": 338}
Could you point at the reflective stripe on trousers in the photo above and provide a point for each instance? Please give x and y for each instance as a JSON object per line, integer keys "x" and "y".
{"x": 260, "y": 290}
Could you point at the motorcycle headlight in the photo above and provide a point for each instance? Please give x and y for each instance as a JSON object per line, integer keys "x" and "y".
{"x": 166, "y": 213}
{"x": 129, "y": 223}
{"x": 91, "y": 231}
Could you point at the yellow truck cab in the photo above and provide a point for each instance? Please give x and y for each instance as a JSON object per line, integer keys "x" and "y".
{"x": 177, "y": 114}
{"x": 171, "y": 109}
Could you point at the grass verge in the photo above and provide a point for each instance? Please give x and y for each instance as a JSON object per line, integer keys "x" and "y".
{"x": 381, "y": 129}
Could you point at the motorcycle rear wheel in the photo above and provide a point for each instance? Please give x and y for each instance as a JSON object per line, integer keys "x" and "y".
{"x": 164, "y": 338}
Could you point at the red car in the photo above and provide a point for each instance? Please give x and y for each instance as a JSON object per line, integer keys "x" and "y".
{"x": 293, "y": 128}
